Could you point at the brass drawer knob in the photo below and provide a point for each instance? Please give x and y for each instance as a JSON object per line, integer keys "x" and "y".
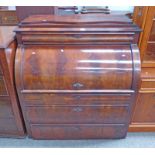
{"x": 77, "y": 85}
{"x": 77, "y": 109}
{"x": 77, "y": 36}
{"x": 77, "y": 97}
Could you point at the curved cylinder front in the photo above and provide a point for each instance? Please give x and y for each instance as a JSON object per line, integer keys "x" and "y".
{"x": 75, "y": 68}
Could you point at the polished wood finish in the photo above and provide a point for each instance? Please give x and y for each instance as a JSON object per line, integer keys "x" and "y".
{"x": 11, "y": 123}
{"x": 146, "y": 101}
{"x": 73, "y": 68}
{"x": 78, "y": 19}
{"x": 144, "y": 114}
{"x": 77, "y": 76}
{"x": 78, "y": 131}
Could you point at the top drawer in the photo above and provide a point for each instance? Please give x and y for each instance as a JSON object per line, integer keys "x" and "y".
{"x": 77, "y": 38}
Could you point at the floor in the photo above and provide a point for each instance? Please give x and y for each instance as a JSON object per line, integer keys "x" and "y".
{"x": 134, "y": 140}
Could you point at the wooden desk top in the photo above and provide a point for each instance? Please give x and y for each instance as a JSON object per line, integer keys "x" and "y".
{"x": 77, "y": 23}
{"x": 6, "y": 35}
{"x": 74, "y": 19}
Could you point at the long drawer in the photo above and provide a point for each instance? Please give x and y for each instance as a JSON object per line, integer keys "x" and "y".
{"x": 3, "y": 90}
{"x": 77, "y": 38}
{"x": 77, "y": 114}
{"x": 76, "y": 99}
{"x": 74, "y": 131}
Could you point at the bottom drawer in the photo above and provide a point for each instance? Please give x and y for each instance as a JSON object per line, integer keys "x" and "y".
{"x": 72, "y": 131}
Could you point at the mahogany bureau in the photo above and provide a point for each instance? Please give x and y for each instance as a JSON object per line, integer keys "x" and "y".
{"x": 77, "y": 76}
{"x": 11, "y": 124}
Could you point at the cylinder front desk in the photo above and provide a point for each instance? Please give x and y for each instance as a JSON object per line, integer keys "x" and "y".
{"x": 77, "y": 76}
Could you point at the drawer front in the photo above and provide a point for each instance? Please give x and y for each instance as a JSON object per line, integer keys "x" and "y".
{"x": 5, "y": 108}
{"x": 77, "y": 38}
{"x": 78, "y": 114}
{"x": 3, "y": 90}
{"x": 148, "y": 73}
{"x": 76, "y": 99}
{"x": 77, "y": 68}
{"x": 75, "y": 131}
{"x": 148, "y": 84}
{"x": 145, "y": 108}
